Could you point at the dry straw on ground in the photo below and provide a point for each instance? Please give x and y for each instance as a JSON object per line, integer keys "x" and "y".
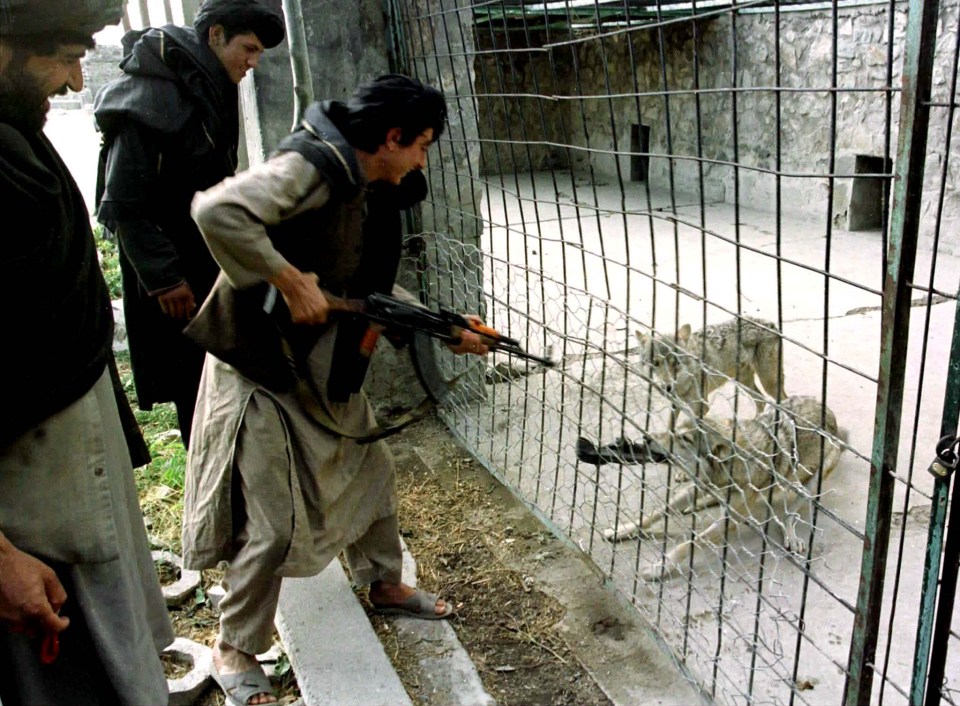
{"x": 452, "y": 519}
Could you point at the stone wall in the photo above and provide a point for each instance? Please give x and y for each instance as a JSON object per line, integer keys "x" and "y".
{"x": 101, "y": 65}
{"x": 577, "y": 79}
{"x": 454, "y": 209}
{"x": 346, "y": 45}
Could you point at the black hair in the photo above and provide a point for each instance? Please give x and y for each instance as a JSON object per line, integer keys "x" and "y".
{"x": 239, "y": 17}
{"x": 387, "y": 102}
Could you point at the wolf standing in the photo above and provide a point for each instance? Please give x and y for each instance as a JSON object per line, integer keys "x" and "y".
{"x": 170, "y": 128}
{"x": 692, "y": 365}
{"x": 74, "y": 559}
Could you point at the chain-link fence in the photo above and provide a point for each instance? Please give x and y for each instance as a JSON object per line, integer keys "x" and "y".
{"x": 690, "y": 208}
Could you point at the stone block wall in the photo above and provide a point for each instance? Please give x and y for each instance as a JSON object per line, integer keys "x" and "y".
{"x": 518, "y": 129}
{"x": 582, "y": 92}
{"x": 101, "y": 65}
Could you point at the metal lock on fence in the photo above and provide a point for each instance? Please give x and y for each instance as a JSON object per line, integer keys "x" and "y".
{"x": 947, "y": 459}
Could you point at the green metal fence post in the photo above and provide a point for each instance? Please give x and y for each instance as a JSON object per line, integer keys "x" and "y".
{"x": 920, "y": 42}
{"x": 942, "y": 632}
{"x": 938, "y": 519}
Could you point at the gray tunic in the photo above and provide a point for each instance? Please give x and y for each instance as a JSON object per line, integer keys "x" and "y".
{"x": 75, "y": 506}
{"x": 337, "y": 488}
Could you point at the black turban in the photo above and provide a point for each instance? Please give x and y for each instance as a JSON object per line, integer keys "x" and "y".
{"x": 79, "y": 17}
{"x": 257, "y": 16}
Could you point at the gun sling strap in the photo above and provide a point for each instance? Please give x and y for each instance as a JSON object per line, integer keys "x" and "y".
{"x": 308, "y": 398}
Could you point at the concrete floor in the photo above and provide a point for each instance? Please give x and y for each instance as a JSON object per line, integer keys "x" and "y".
{"x": 732, "y": 623}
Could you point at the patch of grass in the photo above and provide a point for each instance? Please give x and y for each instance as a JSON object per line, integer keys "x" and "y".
{"x": 109, "y": 260}
{"x": 159, "y": 424}
{"x": 159, "y": 483}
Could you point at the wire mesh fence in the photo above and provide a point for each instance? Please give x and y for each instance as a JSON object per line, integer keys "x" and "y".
{"x": 688, "y": 207}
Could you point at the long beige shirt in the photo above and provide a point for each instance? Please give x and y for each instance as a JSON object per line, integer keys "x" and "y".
{"x": 336, "y": 487}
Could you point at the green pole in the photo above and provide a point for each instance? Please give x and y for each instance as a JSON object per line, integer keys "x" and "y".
{"x": 920, "y": 42}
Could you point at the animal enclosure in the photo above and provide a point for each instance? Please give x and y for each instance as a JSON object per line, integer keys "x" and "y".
{"x": 647, "y": 193}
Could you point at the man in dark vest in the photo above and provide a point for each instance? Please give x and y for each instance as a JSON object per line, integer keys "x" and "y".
{"x": 82, "y": 617}
{"x": 170, "y": 128}
{"x": 275, "y": 485}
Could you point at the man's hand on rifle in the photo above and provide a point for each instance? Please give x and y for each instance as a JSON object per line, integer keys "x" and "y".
{"x": 470, "y": 342}
{"x": 303, "y": 296}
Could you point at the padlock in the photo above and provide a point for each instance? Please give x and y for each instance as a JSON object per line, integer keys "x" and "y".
{"x": 946, "y": 461}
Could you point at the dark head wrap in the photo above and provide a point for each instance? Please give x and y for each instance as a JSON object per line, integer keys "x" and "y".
{"x": 76, "y": 17}
{"x": 258, "y": 16}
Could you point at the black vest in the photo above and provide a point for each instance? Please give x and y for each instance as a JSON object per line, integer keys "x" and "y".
{"x": 352, "y": 243}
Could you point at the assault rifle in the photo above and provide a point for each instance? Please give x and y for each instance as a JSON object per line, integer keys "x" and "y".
{"x": 405, "y": 319}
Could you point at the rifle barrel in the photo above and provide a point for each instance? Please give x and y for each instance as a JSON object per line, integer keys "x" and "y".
{"x": 390, "y": 311}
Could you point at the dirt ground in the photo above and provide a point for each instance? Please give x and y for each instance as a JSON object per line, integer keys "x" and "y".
{"x": 463, "y": 527}
{"x": 452, "y": 519}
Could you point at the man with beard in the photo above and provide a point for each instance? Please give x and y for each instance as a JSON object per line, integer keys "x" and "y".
{"x": 170, "y": 128}
{"x": 82, "y": 617}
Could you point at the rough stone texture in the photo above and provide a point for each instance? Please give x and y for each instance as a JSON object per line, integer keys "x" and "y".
{"x": 441, "y": 47}
{"x": 188, "y": 688}
{"x": 120, "y": 342}
{"x": 184, "y": 587}
{"x": 346, "y": 45}
{"x": 442, "y": 31}
{"x": 558, "y": 97}
{"x": 215, "y": 594}
{"x": 101, "y": 65}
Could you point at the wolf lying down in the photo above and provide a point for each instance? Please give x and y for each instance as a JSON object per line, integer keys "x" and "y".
{"x": 770, "y": 471}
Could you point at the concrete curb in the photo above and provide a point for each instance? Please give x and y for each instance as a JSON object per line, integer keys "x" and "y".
{"x": 339, "y": 659}
{"x": 183, "y": 588}
{"x": 334, "y": 651}
{"x": 447, "y": 675}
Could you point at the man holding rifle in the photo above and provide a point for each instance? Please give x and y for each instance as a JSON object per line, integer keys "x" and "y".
{"x": 277, "y": 482}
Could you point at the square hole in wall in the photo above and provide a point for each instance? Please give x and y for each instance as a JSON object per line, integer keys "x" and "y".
{"x": 639, "y": 143}
{"x": 867, "y": 193}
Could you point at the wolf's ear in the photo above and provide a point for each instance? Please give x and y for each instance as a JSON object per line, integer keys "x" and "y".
{"x": 722, "y": 448}
{"x": 683, "y": 333}
{"x": 642, "y": 337}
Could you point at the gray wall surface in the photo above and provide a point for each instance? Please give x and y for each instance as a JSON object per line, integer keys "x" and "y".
{"x": 578, "y": 77}
{"x": 346, "y": 45}
{"x": 101, "y": 65}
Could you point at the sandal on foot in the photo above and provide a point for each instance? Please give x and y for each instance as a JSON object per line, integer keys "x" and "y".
{"x": 239, "y": 688}
{"x": 420, "y": 605}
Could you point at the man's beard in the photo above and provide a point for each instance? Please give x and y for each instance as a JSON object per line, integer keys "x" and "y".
{"x": 22, "y": 101}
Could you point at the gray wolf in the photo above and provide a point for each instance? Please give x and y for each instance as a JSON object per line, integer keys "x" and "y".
{"x": 693, "y": 365}
{"x": 760, "y": 468}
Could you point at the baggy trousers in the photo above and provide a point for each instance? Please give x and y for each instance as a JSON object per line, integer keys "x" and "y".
{"x": 263, "y": 514}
